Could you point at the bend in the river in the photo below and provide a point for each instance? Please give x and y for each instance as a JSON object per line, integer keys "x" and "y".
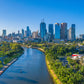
{"x": 30, "y": 68}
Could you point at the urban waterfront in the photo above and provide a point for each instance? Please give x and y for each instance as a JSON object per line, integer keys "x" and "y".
{"x": 41, "y": 42}
{"x": 30, "y": 68}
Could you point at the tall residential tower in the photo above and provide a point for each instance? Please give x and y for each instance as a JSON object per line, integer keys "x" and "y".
{"x": 71, "y": 33}
{"x": 63, "y": 32}
{"x": 23, "y": 32}
{"x": 4, "y": 33}
{"x": 43, "y": 30}
{"x": 57, "y": 31}
{"x": 50, "y": 30}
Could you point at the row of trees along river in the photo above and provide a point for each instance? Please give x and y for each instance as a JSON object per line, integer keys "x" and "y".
{"x": 71, "y": 72}
{"x": 9, "y": 51}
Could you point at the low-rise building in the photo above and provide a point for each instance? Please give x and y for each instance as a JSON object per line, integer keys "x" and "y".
{"x": 77, "y": 56}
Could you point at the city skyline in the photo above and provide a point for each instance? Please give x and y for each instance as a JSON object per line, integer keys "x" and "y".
{"x": 17, "y": 14}
{"x": 49, "y": 28}
{"x": 25, "y": 27}
{"x": 60, "y": 33}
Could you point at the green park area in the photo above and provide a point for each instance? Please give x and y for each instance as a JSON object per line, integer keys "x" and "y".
{"x": 9, "y": 51}
{"x": 67, "y": 70}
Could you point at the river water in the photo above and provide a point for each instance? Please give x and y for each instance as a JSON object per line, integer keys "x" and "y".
{"x": 30, "y": 68}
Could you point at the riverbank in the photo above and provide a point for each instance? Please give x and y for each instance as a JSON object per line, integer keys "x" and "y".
{"x": 39, "y": 49}
{"x": 5, "y": 67}
{"x": 51, "y": 72}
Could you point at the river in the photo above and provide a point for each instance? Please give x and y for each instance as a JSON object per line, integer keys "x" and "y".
{"x": 30, "y": 68}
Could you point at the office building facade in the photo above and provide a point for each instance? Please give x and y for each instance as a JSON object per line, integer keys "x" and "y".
{"x": 57, "y": 31}
{"x": 4, "y": 33}
{"x": 63, "y": 32}
{"x": 50, "y": 30}
{"x": 22, "y": 32}
{"x": 43, "y": 30}
{"x": 73, "y": 37}
{"x": 71, "y": 33}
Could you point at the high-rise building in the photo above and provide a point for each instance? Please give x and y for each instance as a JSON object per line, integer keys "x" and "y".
{"x": 35, "y": 34}
{"x": 57, "y": 31}
{"x": 27, "y": 32}
{"x": 71, "y": 33}
{"x": 82, "y": 36}
{"x": 63, "y": 32}
{"x": 4, "y": 33}
{"x": 43, "y": 30}
{"x": 47, "y": 37}
{"x": 50, "y": 30}
{"x": 27, "y": 28}
{"x": 22, "y": 32}
{"x": 13, "y": 34}
{"x": 18, "y": 32}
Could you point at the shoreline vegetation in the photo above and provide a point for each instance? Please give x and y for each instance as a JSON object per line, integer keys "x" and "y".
{"x": 61, "y": 67}
{"x": 50, "y": 70}
{"x": 52, "y": 73}
{"x": 9, "y": 53}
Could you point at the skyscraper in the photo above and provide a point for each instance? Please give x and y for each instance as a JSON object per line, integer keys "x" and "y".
{"x": 4, "y": 33}
{"x": 50, "y": 30}
{"x": 28, "y": 28}
{"x": 63, "y": 31}
{"x": 18, "y": 32}
{"x": 43, "y": 30}
{"x": 22, "y": 32}
{"x": 57, "y": 31}
{"x": 71, "y": 33}
{"x": 27, "y": 32}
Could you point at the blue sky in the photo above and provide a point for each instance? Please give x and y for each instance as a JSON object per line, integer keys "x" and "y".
{"x": 17, "y": 14}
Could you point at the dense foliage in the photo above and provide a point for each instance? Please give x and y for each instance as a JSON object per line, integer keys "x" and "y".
{"x": 71, "y": 73}
{"x": 9, "y": 51}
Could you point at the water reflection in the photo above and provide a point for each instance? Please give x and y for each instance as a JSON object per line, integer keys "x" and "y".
{"x": 30, "y": 68}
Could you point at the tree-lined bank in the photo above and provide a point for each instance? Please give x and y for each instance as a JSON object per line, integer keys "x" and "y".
{"x": 57, "y": 55}
{"x": 30, "y": 68}
{"x": 8, "y": 52}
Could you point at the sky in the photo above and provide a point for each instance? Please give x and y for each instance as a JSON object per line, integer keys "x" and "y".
{"x": 18, "y": 14}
